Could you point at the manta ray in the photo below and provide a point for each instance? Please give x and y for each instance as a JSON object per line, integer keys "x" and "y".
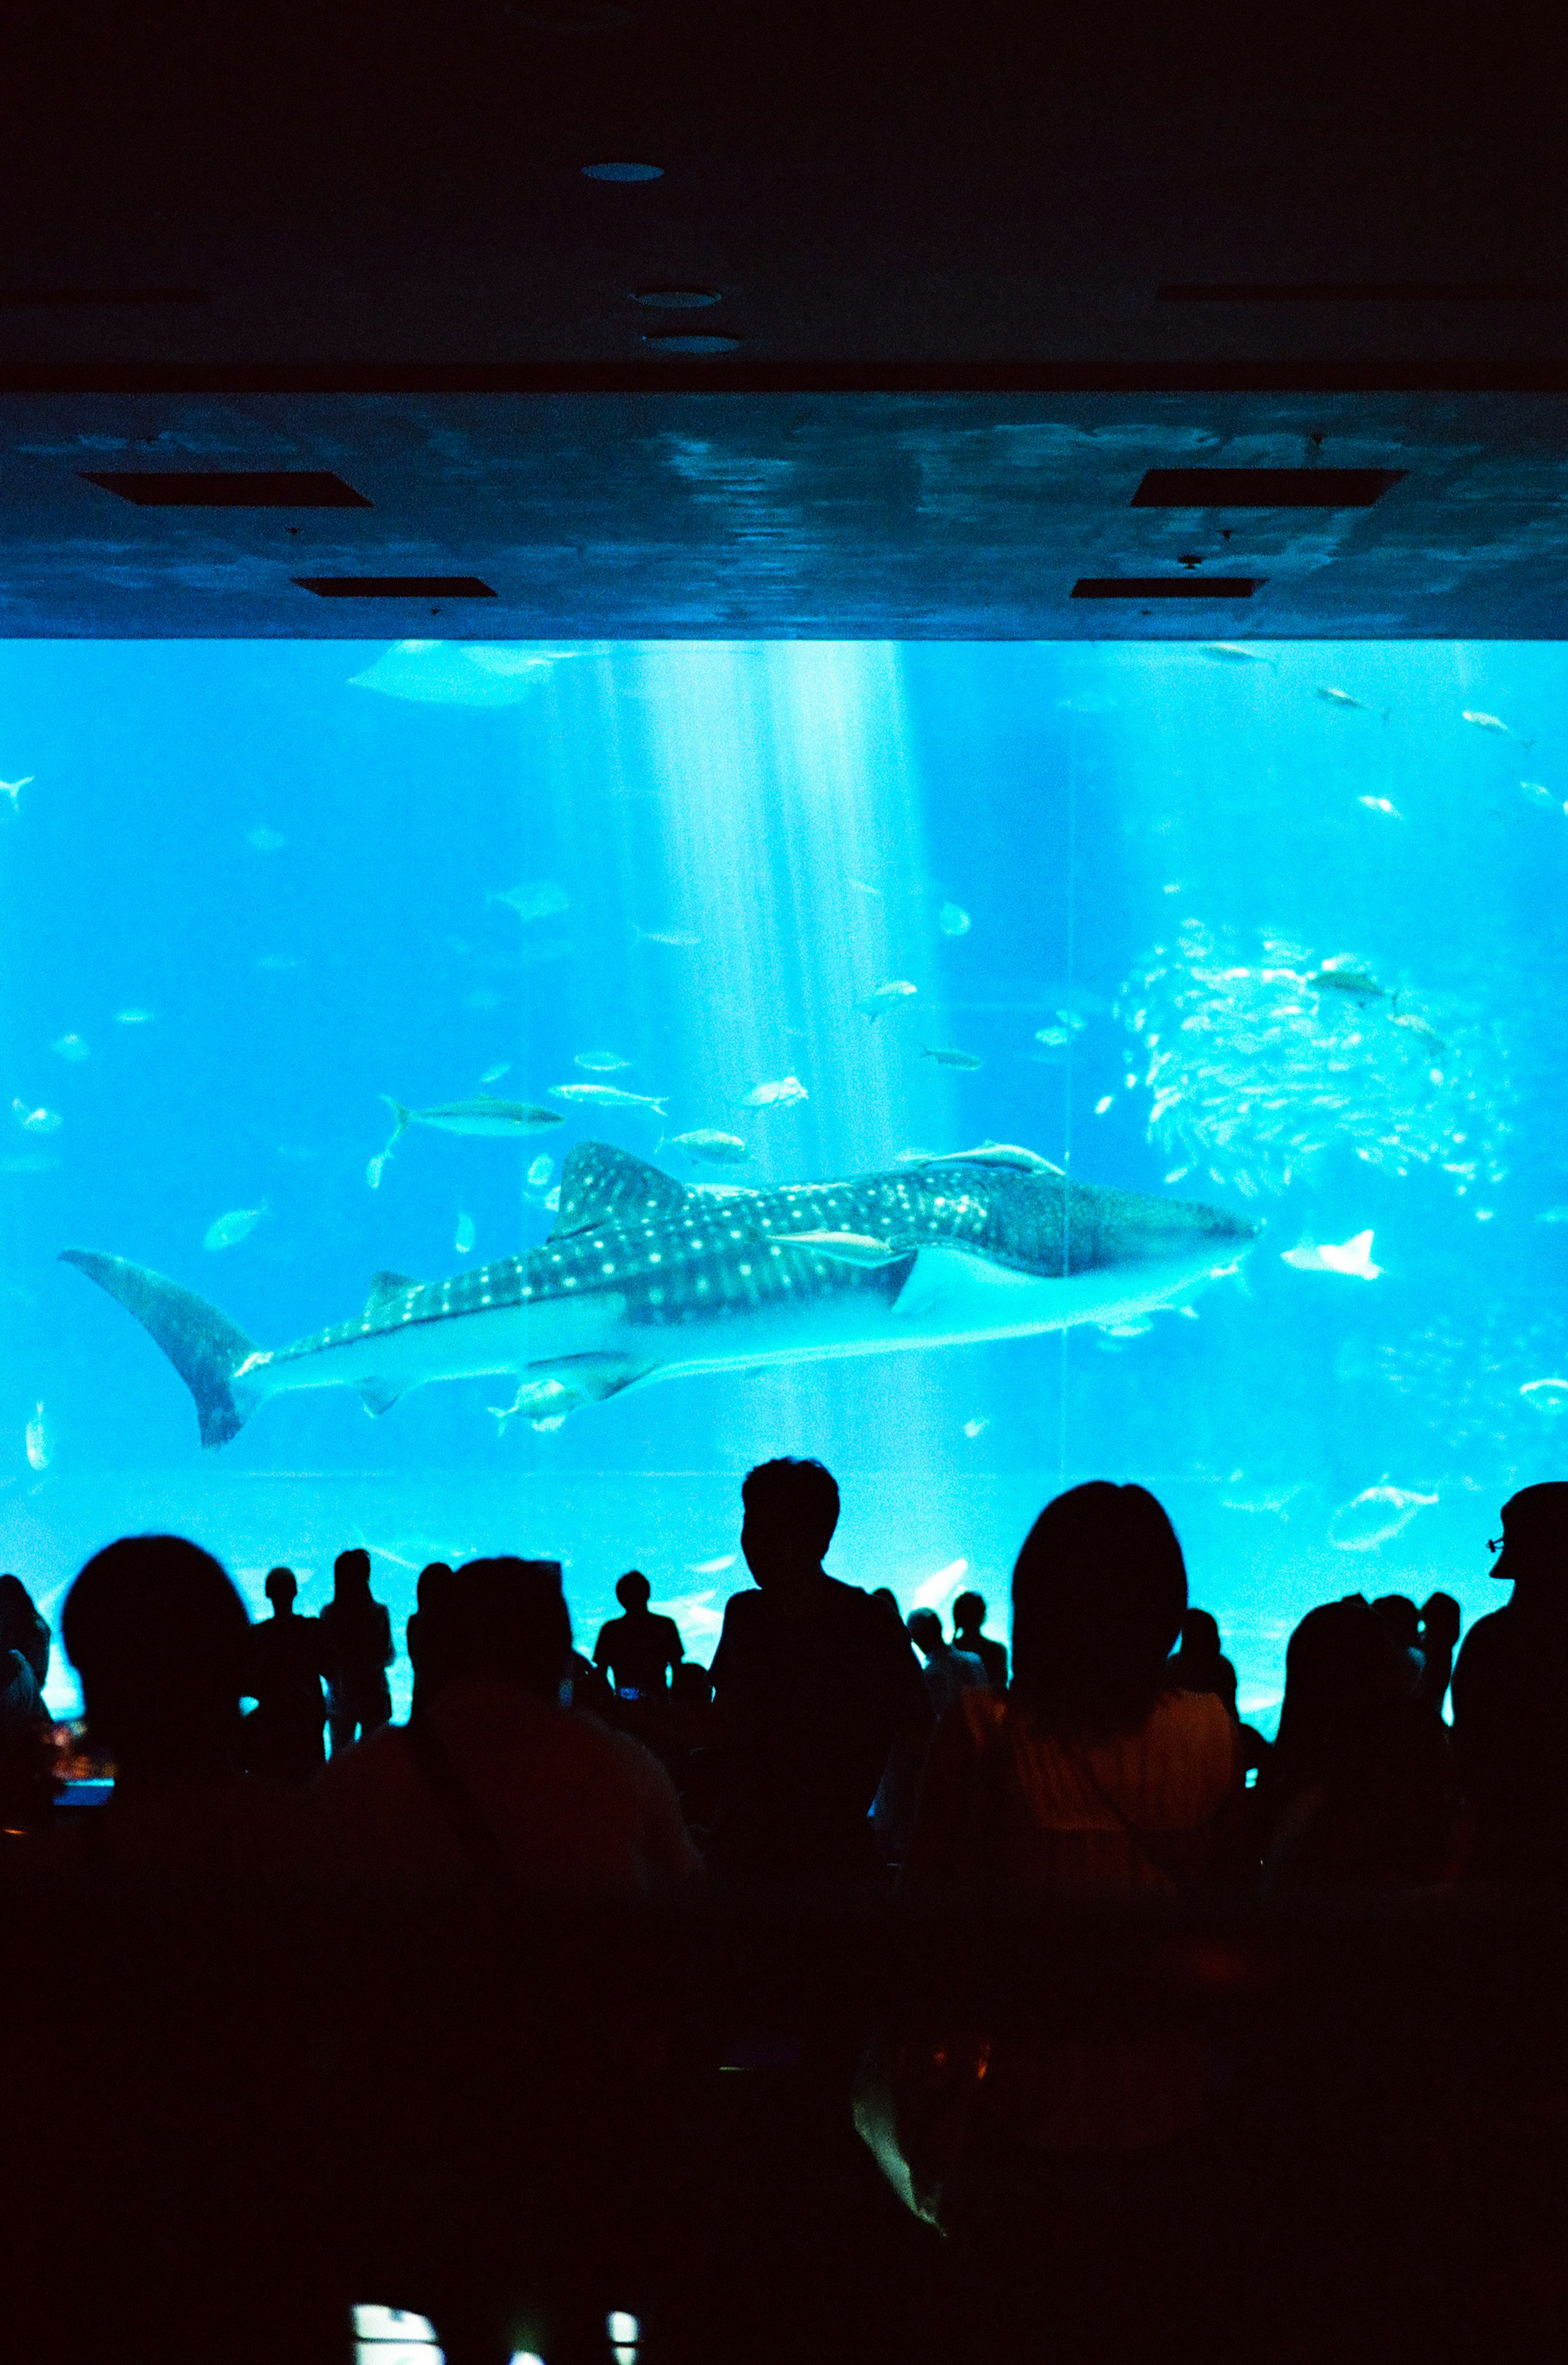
{"x": 645, "y": 1278}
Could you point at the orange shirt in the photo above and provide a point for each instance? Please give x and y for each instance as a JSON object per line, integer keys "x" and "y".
{"x": 1005, "y": 1803}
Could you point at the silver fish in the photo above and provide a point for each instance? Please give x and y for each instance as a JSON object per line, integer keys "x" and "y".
{"x": 607, "y": 1096}
{"x": 712, "y": 1148}
{"x": 601, "y": 1063}
{"x": 953, "y": 920}
{"x": 946, "y": 1057}
{"x": 536, "y": 899}
{"x": 483, "y": 1117}
{"x": 1493, "y": 723}
{"x": 891, "y": 996}
{"x": 783, "y": 1094}
{"x": 228, "y": 1231}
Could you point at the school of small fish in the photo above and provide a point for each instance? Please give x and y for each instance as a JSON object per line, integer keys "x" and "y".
{"x": 1262, "y": 1058}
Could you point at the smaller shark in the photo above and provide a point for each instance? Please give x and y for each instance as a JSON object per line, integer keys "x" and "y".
{"x": 644, "y": 1277}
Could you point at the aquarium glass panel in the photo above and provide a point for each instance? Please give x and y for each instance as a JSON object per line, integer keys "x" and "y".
{"x": 496, "y": 1094}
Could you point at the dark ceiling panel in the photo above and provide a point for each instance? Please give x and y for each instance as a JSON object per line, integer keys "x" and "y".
{"x": 1263, "y": 488}
{"x": 1166, "y": 587}
{"x": 395, "y": 587}
{"x": 227, "y": 488}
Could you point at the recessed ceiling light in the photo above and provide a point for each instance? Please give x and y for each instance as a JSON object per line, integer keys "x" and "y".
{"x": 672, "y": 342}
{"x": 624, "y": 171}
{"x": 566, "y": 15}
{"x": 675, "y": 299}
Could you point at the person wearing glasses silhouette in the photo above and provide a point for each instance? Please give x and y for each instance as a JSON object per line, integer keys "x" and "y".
{"x": 1510, "y": 1699}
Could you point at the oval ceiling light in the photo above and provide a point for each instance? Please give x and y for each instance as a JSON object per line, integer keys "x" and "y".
{"x": 624, "y": 171}
{"x": 669, "y": 341}
{"x": 675, "y": 299}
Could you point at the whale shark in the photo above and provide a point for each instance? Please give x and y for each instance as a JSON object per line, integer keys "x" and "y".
{"x": 644, "y": 1277}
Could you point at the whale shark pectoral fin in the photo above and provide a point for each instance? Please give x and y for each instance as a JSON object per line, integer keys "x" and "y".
{"x": 949, "y": 1283}
{"x": 380, "y": 1396}
{"x": 600, "y": 1184}
{"x": 384, "y": 1287}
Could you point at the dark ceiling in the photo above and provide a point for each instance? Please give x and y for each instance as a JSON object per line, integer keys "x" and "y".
{"x": 983, "y": 266}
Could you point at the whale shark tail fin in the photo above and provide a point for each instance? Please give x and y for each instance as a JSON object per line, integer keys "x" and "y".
{"x": 205, "y": 1348}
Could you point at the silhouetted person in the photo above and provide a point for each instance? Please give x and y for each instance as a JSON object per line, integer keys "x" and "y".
{"x": 813, "y": 1682}
{"x": 1359, "y": 1789}
{"x": 1198, "y": 1664}
{"x": 969, "y": 1616}
{"x": 159, "y": 1636}
{"x": 356, "y": 1651}
{"x": 282, "y": 1736}
{"x": 26, "y": 1788}
{"x": 638, "y": 1649}
{"x": 1510, "y": 1699}
{"x": 1090, "y": 1776}
{"x": 1403, "y": 1619}
{"x": 689, "y": 1745}
{"x": 494, "y": 1779}
{"x": 432, "y": 1579}
{"x": 1441, "y": 1622}
{"x": 947, "y": 1672}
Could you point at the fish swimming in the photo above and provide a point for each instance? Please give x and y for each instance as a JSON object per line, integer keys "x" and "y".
{"x": 71, "y": 1047}
{"x": 891, "y": 996}
{"x": 1359, "y": 983}
{"x": 540, "y": 1171}
{"x": 486, "y": 1118}
{"x": 493, "y": 1075}
{"x": 537, "y": 899}
{"x": 39, "y": 1444}
{"x": 607, "y": 1096}
{"x": 1382, "y": 805}
{"x": 133, "y": 1018}
{"x": 946, "y": 1057}
{"x": 1236, "y": 652}
{"x": 601, "y": 1063}
{"x": 228, "y": 1231}
{"x": 783, "y": 1094}
{"x": 704, "y": 1143}
{"x": 1546, "y": 1396}
{"x": 680, "y": 938}
{"x": 1352, "y": 1257}
{"x": 466, "y": 1235}
{"x": 645, "y": 1279}
{"x": 1375, "y": 1517}
{"x": 13, "y": 788}
{"x": 39, "y": 1120}
{"x": 953, "y": 920}
{"x": 1342, "y": 698}
{"x": 1493, "y": 723}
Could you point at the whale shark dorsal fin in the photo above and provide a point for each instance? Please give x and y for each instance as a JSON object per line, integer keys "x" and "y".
{"x": 601, "y": 1185}
{"x": 384, "y": 1287}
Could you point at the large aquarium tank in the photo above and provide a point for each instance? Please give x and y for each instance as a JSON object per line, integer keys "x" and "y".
{"x": 424, "y": 1052}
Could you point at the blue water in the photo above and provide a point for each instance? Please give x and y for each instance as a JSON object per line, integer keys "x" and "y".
{"x": 293, "y": 874}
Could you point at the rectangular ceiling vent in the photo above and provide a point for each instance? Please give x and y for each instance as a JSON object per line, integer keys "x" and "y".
{"x": 20, "y": 300}
{"x": 227, "y": 488}
{"x": 396, "y": 586}
{"x": 1167, "y": 587}
{"x": 1264, "y": 488}
{"x": 1364, "y": 291}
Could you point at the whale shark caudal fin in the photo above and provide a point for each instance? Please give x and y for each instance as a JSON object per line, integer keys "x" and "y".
{"x": 204, "y": 1346}
{"x": 600, "y": 1184}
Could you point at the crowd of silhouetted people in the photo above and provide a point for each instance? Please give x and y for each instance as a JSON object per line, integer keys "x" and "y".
{"x": 831, "y": 1742}
{"x": 835, "y": 1750}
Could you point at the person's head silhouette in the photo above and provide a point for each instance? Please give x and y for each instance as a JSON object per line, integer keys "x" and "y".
{"x": 350, "y": 1575}
{"x": 632, "y": 1591}
{"x": 1346, "y": 1679}
{"x": 1533, "y": 1557}
{"x": 502, "y": 1621}
{"x": 969, "y": 1615}
{"x": 1200, "y": 1635}
{"x": 792, "y": 1511}
{"x": 156, "y": 1633}
{"x": 1099, "y": 1592}
{"x": 281, "y": 1591}
{"x": 924, "y": 1630}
